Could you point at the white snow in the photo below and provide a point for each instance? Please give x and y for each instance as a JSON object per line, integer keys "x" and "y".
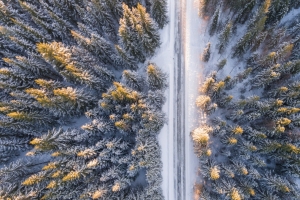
{"x": 292, "y": 14}
{"x": 165, "y": 59}
{"x": 194, "y": 43}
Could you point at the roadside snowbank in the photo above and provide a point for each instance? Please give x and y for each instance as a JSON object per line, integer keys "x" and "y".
{"x": 164, "y": 58}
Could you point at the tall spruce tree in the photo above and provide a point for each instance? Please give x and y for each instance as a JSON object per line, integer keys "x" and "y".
{"x": 158, "y": 12}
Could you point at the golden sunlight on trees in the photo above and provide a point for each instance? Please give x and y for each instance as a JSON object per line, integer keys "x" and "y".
{"x": 201, "y": 134}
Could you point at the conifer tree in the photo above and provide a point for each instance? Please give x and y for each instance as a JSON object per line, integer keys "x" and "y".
{"x": 207, "y": 7}
{"x": 221, "y": 64}
{"x": 126, "y": 59}
{"x": 97, "y": 45}
{"x": 147, "y": 30}
{"x": 158, "y": 12}
{"x": 256, "y": 25}
{"x": 244, "y": 13}
{"x": 236, "y": 5}
{"x": 132, "y": 79}
{"x": 129, "y": 34}
{"x": 277, "y": 10}
{"x": 214, "y": 23}
{"x": 155, "y": 77}
{"x": 115, "y": 7}
{"x": 224, "y": 37}
{"x": 206, "y": 53}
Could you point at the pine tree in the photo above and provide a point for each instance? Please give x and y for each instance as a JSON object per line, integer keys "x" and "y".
{"x": 214, "y": 23}
{"x": 158, "y": 12}
{"x": 244, "y": 13}
{"x": 224, "y": 37}
{"x": 203, "y": 101}
{"x": 97, "y": 45}
{"x": 276, "y": 183}
{"x": 208, "y": 84}
{"x": 206, "y": 53}
{"x": 129, "y": 35}
{"x": 115, "y": 7}
{"x": 210, "y": 170}
{"x": 236, "y": 5}
{"x": 147, "y": 30}
{"x": 256, "y": 26}
{"x": 207, "y": 7}
{"x": 277, "y": 10}
{"x": 34, "y": 65}
{"x": 221, "y": 64}
{"x": 156, "y": 78}
{"x": 126, "y": 59}
{"x": 201, "y": 135}
{"x": 99, "y": 15}
{"x": 132, "y": 79}
{"x": 156, "y": 99}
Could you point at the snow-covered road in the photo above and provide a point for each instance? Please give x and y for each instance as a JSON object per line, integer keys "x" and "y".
{"x": 179, "y": 56}
{"x": 193, "y": 44}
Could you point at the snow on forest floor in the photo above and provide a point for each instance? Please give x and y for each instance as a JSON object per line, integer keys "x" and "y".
{"x": 194, "y": 43}
{"x": 164, "y": 58}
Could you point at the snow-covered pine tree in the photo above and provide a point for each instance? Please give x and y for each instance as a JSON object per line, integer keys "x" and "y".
{"x": 156, "y": 78}
{"x": 221, "y": 64}
{"x": 138, "y": 30}
{"x": 129, "y": 36}
{"x": 278, "y": 10}
{"x": 147, "y": 30}
{"x": 207, "y": 7}
{"x": 206, "y": 53}
{"x": 158, "y": 12}
{"x": 133, "y": 80}
{"x": 244, "y": 13}
{"x": 214, "y": 23}
{"x": 224, "y": 37}
{"x": 255, "y": 26}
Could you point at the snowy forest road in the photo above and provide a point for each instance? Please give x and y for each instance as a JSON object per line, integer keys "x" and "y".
{"x": 180, "y": 186}
{"x": 179, "y": 56}
{"x": 190, "y": 44}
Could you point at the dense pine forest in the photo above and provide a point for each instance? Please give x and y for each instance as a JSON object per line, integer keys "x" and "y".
{"x": 81, "y": 101}
{"x": 250, "y": 148}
